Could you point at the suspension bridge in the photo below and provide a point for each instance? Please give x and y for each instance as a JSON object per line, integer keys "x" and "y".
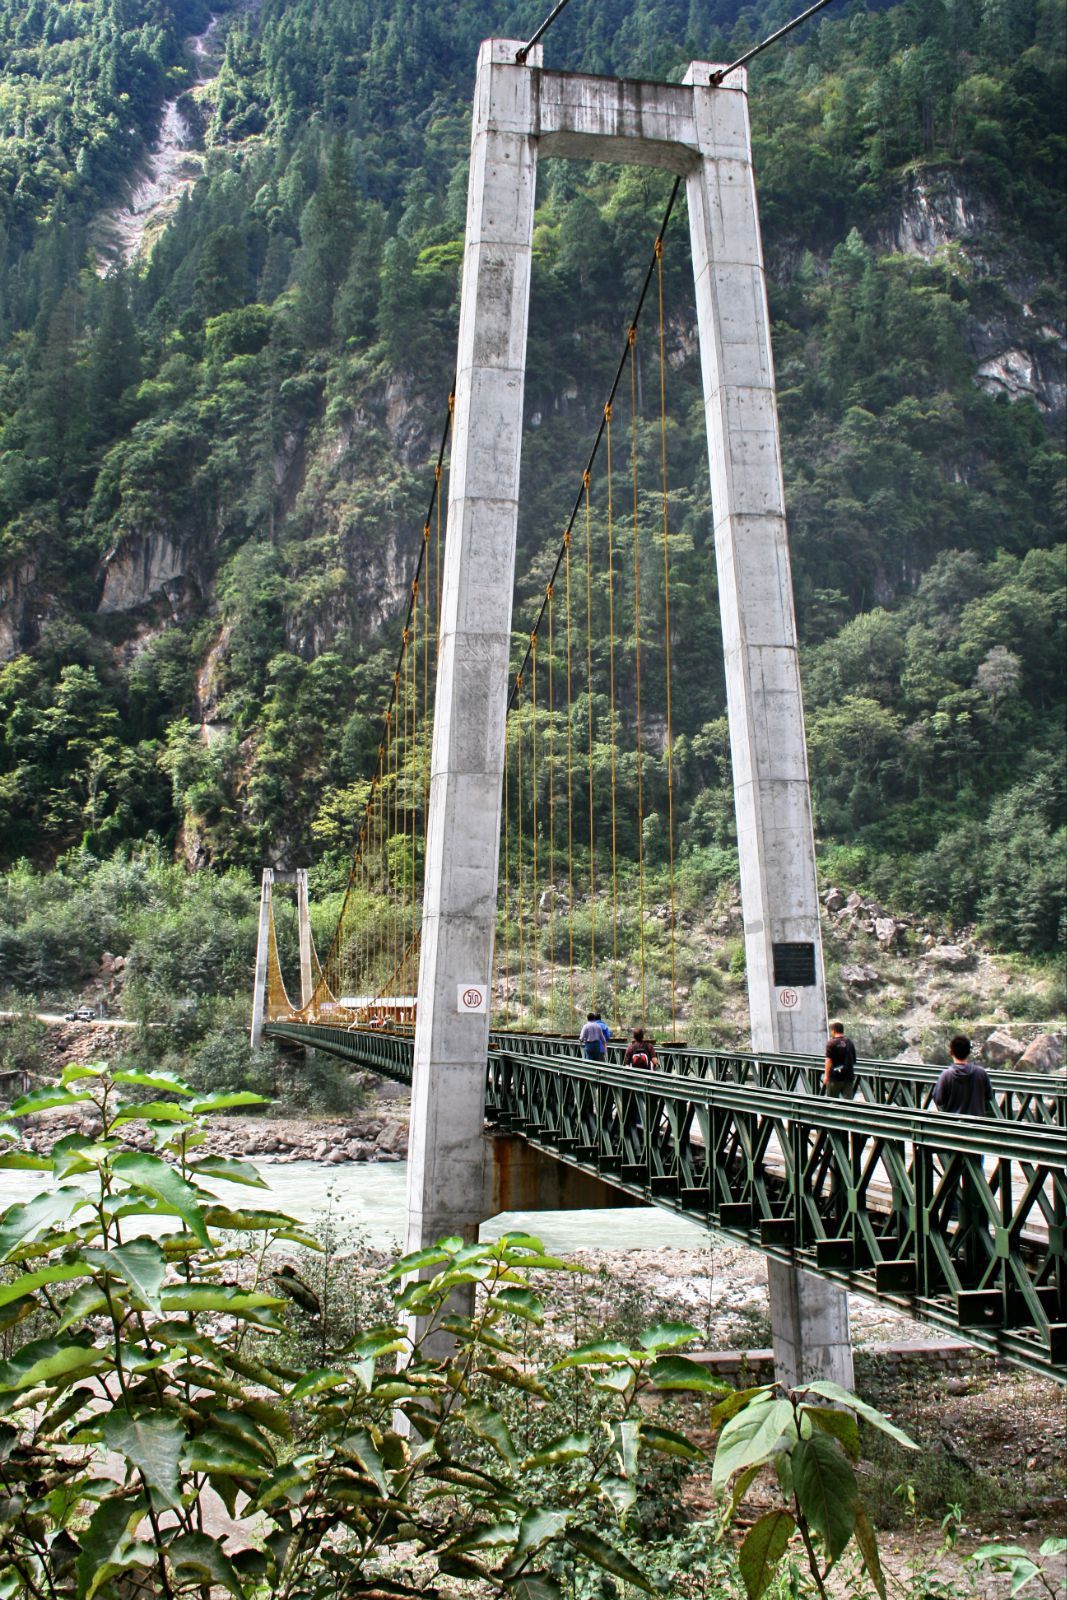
{"x": 517, "y": 865}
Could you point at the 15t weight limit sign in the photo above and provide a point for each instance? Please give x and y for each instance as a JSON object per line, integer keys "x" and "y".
{"x": 472, "y": 999}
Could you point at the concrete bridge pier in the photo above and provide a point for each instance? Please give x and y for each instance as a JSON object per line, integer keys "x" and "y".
{"x": 259, "y": 987}
{"x": 699, "y": 130}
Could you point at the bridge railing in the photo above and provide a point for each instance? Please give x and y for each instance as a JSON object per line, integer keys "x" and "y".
{"x": 1022, "y": 1097}
{"x": 960, "y": 1220}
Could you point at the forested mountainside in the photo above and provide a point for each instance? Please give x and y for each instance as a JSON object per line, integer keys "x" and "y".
{"x": 214, "y": 458}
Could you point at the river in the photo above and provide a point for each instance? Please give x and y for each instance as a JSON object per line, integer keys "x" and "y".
{"x": 370, "y": 1199}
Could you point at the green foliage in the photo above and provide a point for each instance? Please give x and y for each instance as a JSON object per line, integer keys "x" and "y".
{"x": 160, "y": 1345}
{"x": 235, "y": 397}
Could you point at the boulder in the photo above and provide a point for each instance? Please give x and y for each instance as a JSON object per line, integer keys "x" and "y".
{"x": 336, "y": 1158}
{"x": 1043, "y": 1054}
{"x": 834, "y": 901}
{"x": 854, "y": 902}
{"x": 886, "y": 931}
{"x": 393, "y": 1139}
{"x": 859, "y": 976}
{"x": 952, "y": 957}
{"x": 1000, "y": 1048}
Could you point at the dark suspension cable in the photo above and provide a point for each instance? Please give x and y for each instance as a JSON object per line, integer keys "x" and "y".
{"x": 773, "y": 38}
{"x": 520, "y": 55}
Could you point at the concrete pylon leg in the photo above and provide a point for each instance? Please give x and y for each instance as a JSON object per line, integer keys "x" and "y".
{"x": 783, "y": 947}
{"x": 303, "y": 922}
{"x": 445, "y": 1163}
{"x": 259, "y": 987}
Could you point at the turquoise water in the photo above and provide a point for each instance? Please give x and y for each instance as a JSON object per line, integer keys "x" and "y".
{"x": 371, "y": 1198}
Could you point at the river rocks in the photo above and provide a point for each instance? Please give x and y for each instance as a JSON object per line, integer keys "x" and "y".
{"x": 951, "y": 957}
{"x": 834, "y": 901}
{"x": 1000, "y": 1049}
{"x": 1044, "y": 1054}
{"x": 860, "y": 977}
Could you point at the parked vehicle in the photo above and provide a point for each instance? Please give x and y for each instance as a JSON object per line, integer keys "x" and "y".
{"x": 86, "y": 1014}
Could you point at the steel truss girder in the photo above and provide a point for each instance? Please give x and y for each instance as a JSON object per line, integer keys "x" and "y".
{"x": 961, "y": 1221}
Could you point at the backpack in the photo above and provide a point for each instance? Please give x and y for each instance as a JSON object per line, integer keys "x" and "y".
{"x": 639, "y": 1059}
{"x": 844, "y": 1071}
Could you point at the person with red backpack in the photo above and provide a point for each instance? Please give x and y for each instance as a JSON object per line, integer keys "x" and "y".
{"x": 641, "y": 1052}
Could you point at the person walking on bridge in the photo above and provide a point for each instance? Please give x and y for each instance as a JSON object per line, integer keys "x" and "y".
{"x": 839, "y": 1076}
{"x": 963, "y": 1088}
{"x": 591, "y": 1038}
{"x": 641, "y": 1052}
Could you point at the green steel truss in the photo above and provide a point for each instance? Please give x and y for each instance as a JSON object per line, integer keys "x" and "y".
{"x": 959, "y": 1221}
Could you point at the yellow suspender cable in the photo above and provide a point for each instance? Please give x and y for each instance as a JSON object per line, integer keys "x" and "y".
{"x": 535, "y": 904}
{"x": 507, "y": 873}
{"x": 518, "y": 862}
{"x": 667, "y": 617}
{"x": 637, "y": 671}
{"x": 589, "y": 698}
{"x": 551, "y": 817}
{"x": 611, "y": 716}
{"x": 570, "y": 795}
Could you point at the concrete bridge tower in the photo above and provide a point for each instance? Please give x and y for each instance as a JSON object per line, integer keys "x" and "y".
{"x": 699, "y": 129}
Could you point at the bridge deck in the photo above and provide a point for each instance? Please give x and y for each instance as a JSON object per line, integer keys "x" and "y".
{"x": 961, "y": 1221}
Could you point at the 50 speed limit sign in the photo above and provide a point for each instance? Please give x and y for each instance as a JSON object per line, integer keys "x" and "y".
{"x": 472, "y": 999}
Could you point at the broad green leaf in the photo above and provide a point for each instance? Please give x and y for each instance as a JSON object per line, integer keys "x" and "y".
{"x": 360, "y": 1444}
{"x": 487, "y": 1537}
{"x": 825, "y": 1487}
{"x": 534, "y": 1586}
{"x": 225, "y": 1099}
{"x": 602, "y": 1352}
{"x": 751, "y": 1436}
{"x": 627, "y": 1437}
{"x": 17, "y": 1311}
{"x": 218, "y": 1297}
{"x": 9, "y": 1132}
{"x": 670, "y": 1443}
{"x": 140, "y": 1263}
{"x": 868, "y": 1548}
{"x": 678, "y": 1372}
{"x": 488, "y": 1424}
{"x": 23, "y": 1161}
{"x": 513, "y": 1377}
{"x": 42, "y": 1360}
{"x": 620, "y": 1493}
{"x": 254, "y": 1221}
{"x": 315, "y": 1383}
{"x": 150, "y": 1111}
{"x": 522, "y": 1303}
{"x": 742, "y": 1483}
{"x": 150, "y": 1078}
{"x": 62, "y": 1272}
{"x": 841, "y": 1425}
{"x": 200, "y": 1554}
{"x": 232, "y": 1170}
{"x": 737, "y": 1402}
{"x": 667, "y": 1336}
{"x": 214, "y": 1451}
{"x": 763, "y": 1547}
{"x": 1053, "y": 1547}
{"x": 26, "y": 1221}
{"x": 78, "y": 1071}
{"x": 46, "y": 1099}
{"x": 87, "y": 1301}
{"x": 834, "y": 1391}
{"x": 605, "y": 1556}
{"x": 106, "y": 1543}
{"x": 414, "y": 1262}
{"x": 153, "y": 1444}
{"x": 155, "y": 1177}
{"x": 614, "y": 1380}
{"x": 537, "y": 1528}
{"x": 567, "y": 1448}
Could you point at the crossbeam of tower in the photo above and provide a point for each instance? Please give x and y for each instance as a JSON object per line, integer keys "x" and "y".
{"x": 698, "y": 129}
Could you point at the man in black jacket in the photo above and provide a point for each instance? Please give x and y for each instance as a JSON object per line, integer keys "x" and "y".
{"x": 839, "y": 1078}
{"x": 963, "y": 1088}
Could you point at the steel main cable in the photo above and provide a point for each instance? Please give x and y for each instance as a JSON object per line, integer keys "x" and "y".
{"x": 520, "y": 55}
{"x": 758, "y": 49}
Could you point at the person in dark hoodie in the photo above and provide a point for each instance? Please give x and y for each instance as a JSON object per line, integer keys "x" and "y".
{"x": 963, "y": 1088}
